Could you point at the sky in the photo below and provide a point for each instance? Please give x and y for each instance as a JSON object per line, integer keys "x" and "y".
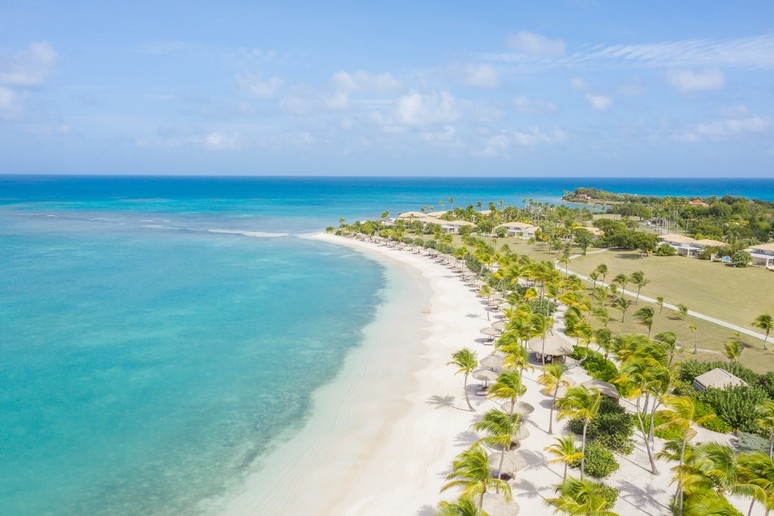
{"x": 409, "y": 88}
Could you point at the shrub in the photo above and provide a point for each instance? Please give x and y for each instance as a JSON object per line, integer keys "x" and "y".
{"x": 736, "y": 406}
{"x": 595, "y": 363}
{"x": 668, "y": 432}
{"x": 610, "y": 494}
{"x": 747, "y": 442}
{"x": 665, "y": 250}
{"x": 600, "y": 461}
{"x": 612, "y": 428}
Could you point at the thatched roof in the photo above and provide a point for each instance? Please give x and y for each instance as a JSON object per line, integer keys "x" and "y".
{"x": 677, "y": 238}
{"x": 718, "y": 378}
{"x": 607, "y": 389}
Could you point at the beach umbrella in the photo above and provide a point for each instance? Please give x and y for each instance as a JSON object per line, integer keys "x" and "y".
{"x": 521, "y": 408}
{"x": 492, "y": 361}
{"x": 554, "y": 346}
{"x": 492, "y": 332}
{"x": 495, "y": 505}
{"x": 485, "y": 375}
{"x": 521, "y": 434}
{"x": 607, "y": 389}
{"x": 499, "y": 326}
{"x": 512, "y": 462}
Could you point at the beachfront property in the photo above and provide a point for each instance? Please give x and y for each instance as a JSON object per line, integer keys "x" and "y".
{"x": 451, "y": 227}
{"x": 687, "y": 246}
{"x": 762, "y": 254}
{"x": 519, "y": 229}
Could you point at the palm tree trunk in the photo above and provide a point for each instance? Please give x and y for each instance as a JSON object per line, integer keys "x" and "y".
{"x": 551, "y": 412}
{"x": 500, "y": 467}
{"x": 679, "y": 493}
{"x": 583, "y": 448}
{"x": 771, "y": 444}
{"x": 467, "y": 398}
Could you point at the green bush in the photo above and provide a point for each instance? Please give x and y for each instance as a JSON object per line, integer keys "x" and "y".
{"x": 610, "y": 494}
{"x": 665, "y": 250}
{"x": 600, "y": 462}
{"x": 595, "y": 363}
{"x": 747, "y": 442}
{"x": 668, "y": 432}
{"x": 716, "y": 423}
{"x": 612, "y": 428}
{"x": 736, "y": 406}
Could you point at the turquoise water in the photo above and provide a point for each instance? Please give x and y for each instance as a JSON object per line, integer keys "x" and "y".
{"x": 146, "y": 362}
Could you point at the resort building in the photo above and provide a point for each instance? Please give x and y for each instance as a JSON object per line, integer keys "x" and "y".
{"x": 717, "y": 378}
{"x": 762, "y": 254}
{"x": 519, "y": 229}
{"x": 687, "y": 246}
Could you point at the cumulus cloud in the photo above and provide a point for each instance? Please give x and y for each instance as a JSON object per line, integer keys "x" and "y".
{"x": 446, "y": 137}
{"x": 535, "y": 136}
{"x": 360, "y": 81}
{"x": 219, "y": 141}
{"x": 472, "y": 74}
{"x": 599, "y": 102}
{"x": 579, "y": 84}
{"x": 259, "y": 87}
{"x": 688, "y": 80}
{"x": 536, "y": 45}
{"x": 533, "y": 106}
{"x": 416, "y": 109}
{"x": 31, "y": 67}
{"x": 494, "y": 146}
{"x": 724, "y": 129}
{"x": 8, "y": 101}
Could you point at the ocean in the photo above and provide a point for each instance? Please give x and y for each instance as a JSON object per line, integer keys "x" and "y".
{"x": 159, "y": 335}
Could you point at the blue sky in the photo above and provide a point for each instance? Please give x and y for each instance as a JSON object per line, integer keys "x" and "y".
{"x": 423, "y": 88}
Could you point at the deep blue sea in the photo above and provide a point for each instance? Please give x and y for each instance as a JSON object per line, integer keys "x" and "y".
{"x": 151, "y": 351}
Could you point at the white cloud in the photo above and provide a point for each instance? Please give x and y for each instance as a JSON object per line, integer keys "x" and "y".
{"x": 724, "y": 129}
{"x": 416, "y": 109}
{"x": 578, "y": 84}
{"x": 599, "y": 102}
{"x": 537, "y": 45}
{"x": 446, "y": 137}
{"x": 688, "y": 80}
{"x": 219, "y": 141}
{"x": 8, "y": 101}
{"x": 31, "y": 67}
{"x": 258, "y": 87}
{"x": 494, "y": 146}
{"x": 472, "y": 74}
{"x": 533, "y": 106}
{"x": 535, "y": 136}
{"x": 337, "y": 101}
{"x": 360, "y": 81}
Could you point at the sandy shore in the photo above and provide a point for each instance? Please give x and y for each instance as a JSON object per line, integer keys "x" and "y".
{"x": 384, "y": 433}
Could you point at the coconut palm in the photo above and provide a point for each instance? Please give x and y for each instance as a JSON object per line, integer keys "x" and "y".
{"x": 757, "y": 468}
{"x": 695, "y": 330}
{"x": 541, "y": 325}
{"x": 464, "y": 506}
{"x": 470, "y": 471}
{"x": 565, "y": 450}
{"x": 602, "y": 270}
{"x": 621, "y": 280}
{"x": 553, "y": 381}
{"x": 734, "y": 347}
{"x": 501, "y": 428}
{"x": 581, "y": 497}
{"x": 764, "y": 322}
{"x": 644, "y": 316}
{"x": 638, "y": 278}
{"x": 682, "y": 415}
{"x": 682, "y": 311}
{"x": 623, "y": 305}
{"x": 660, "y": 303}
{"x": 582, "y": 403}
{"x": 466, "y": 361}
{"x": 765, "y": 421}
{"x": 508, "y": 386}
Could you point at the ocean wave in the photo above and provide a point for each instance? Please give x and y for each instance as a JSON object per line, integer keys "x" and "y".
{"x": 252, "y": 234}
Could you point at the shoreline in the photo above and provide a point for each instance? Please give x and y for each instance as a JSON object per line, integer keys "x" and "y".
{"x": 383, "y": 433}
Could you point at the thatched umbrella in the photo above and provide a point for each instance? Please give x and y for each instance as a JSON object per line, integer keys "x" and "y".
{"x": 607, "y": 389}
{"x": 495, "y": 505}
{"x": 485, "y": 375}
{"x": 492, "y": 361}
{"x": 522, "y": 408}
{"x": 553, "y": 347}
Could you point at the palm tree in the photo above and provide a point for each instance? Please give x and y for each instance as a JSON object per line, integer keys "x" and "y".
{"x": 695, "y": 330}
{"x": 644, "y": 316}
{"x": 602, "y": 270}
{"x": 508, "y": 386}
{"x": 622, "y": 280}
{"x": 764, "y": 322}
{"x": 470, "y": 471}
{"x": 581, "y": 497}
{"x": 565, "y": 451}
{"x": 757, "y": 468}
{"x": 553, "y": 381}
{"x": 682, "y": 311}
{"x": 765, "y": 420}
{"x": 466, "y": 361}
{"x": 638, "y": 278}
{"x": 501, "y": 428}
{"x": 660, "y": 303}
{"x": 719, "y": 464}
{"x": 582, "y": 403}
{"x": 623, "y": 305}
{"x": 734, "y": 347}
{"x": 541, "y": 325}
{"x": 682, "y": 414}
{"x": 464, "y": 506}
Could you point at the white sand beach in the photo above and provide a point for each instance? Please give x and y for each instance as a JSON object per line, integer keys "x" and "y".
{"x": 383, "y": 435}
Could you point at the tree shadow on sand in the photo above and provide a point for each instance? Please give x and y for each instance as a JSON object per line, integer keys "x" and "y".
{"x": 642, "y": 499}
{"x": 444, "y": 402}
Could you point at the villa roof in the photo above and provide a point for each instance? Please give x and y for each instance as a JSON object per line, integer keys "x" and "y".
{"x": 458, "y": 223}
{"x": 437, "y": 213}
{"x": 677, "y": 238}
{"x": 412, "y": 215}
{"x": 707, "y": 242}
{"x": 763, "y": 247}
{"x": 718, "y": 378}
{"x": 515, "y": 225}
